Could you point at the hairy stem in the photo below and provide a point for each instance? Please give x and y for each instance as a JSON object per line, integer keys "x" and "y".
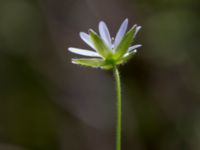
{"x": 119, "y": 109}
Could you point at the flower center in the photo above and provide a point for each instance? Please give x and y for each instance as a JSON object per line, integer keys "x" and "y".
{"x": 112, "y": 43}
{"x": 110, "y": 61}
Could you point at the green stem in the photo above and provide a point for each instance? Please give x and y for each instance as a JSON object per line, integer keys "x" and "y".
{"x": 119, "y": 109}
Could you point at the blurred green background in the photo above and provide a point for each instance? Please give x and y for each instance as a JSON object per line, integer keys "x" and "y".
{"x": 46, "y": 103}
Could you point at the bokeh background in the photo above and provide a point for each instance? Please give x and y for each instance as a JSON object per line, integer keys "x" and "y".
{"x": 46, "y": 103}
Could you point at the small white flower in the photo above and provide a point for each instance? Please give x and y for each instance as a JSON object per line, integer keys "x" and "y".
{"x": 107, "y": 52}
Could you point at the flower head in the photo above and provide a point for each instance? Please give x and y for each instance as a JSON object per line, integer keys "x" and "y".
{"x": 107, "y": 52}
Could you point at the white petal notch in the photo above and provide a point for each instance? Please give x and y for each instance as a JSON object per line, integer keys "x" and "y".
{"x": 83, "y": 52}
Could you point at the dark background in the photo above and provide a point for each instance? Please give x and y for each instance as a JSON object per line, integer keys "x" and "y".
{"x": 47, "y": 103}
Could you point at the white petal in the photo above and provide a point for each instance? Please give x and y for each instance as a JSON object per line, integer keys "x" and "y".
{"x": 120, "y": 33}
{"x": 134, "y": 47}
{"x": 83, "y": 52}
{"x": 137, "y": 30}
{"x": 86, "y": 38}
{"x": 128, "y": 53}
{"x": 104, "y": 33}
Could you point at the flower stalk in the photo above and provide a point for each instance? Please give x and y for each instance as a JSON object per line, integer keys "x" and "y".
{"x": 119, "y": 108}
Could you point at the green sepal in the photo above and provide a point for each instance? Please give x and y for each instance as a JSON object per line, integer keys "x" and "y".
{"x": 125, "y": 43}
{"x": 100, "y": 46}
{"x": 127, "y": 57}
{"x": 93, "y": 62}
